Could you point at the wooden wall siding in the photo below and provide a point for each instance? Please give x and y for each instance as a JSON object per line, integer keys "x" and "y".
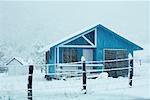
{"x": 116, "y": 54}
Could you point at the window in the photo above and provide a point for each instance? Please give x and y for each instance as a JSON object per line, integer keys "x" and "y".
{"x": 69, "y": 55}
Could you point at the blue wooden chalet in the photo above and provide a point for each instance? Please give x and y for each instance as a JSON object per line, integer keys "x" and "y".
{"x": 95, "y": 43}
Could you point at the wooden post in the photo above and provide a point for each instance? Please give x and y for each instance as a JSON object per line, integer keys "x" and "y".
{"x": 84, "y": 74}
{"x": 30, "y": 82}
{"x": 131, "y": 72}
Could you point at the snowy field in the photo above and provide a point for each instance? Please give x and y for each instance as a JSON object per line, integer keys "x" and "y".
{"x": 15, "y": 87}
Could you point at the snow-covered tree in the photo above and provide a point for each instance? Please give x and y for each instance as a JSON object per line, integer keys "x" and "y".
{"x": 5, "y": 52}
{"x": 30, "y": 54}
{"x": 37, "y": 56}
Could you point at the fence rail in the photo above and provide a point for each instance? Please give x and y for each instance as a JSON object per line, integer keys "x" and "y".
{"x": 83, "y": 73}
{"x": 77, "y": 63}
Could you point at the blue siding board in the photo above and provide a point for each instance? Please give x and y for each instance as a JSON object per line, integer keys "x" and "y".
{"x": 60, "y": 55}
{"x": 94, "y": 53}
{"x": 80, "y": 53}
{"x": 51, "y": 68}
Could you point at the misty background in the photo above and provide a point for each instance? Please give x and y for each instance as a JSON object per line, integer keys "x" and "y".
{"x": 27, "y": 23}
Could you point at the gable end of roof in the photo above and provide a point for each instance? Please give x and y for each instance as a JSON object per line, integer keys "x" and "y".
{"x": 135, "y": 46}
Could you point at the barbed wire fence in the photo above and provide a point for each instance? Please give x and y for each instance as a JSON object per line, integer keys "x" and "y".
{"x": 71, "y": 90}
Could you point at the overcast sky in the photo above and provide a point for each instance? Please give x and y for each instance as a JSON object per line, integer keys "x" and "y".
{"x": 23, "y": 23}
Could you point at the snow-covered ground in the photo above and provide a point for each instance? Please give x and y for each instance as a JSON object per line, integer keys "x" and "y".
{"x": 15, "y": 87}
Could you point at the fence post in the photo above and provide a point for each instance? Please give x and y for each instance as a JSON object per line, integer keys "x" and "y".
{"x": 130, "y": 72}
{"x": 130, "y": 64}
{"x": 30, "y": 82}
{"x": 84, "y": 74}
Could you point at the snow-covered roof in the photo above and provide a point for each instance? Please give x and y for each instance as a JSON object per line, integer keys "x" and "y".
{"x": 20, "y": 60}
{"x": 46, "y": 48}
